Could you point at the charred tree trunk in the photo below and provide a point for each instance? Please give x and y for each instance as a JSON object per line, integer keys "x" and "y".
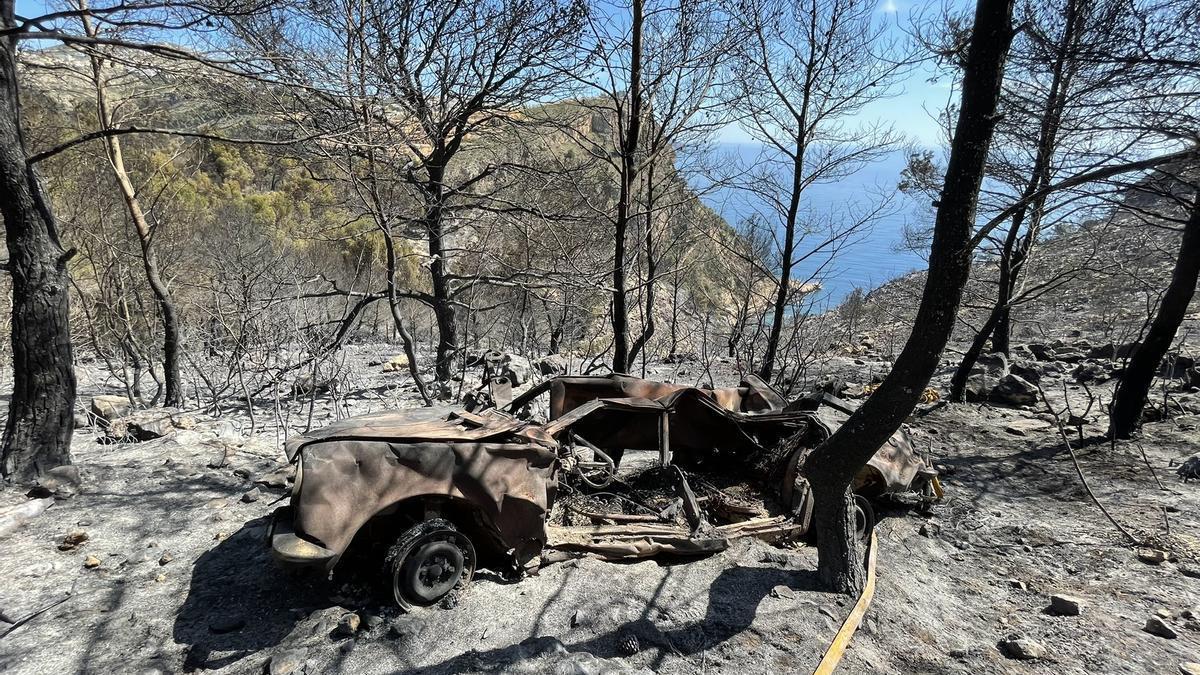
{"x": 785, "y": 264}
{"x": 1134, "y": 386}
{"x": 172, "y": 381}
{"x": 832, "y": 465}
{"x": 629, "y": 146}
{"x": 1015, "y": 249}
{"x": 443, "y": 301}
{"x": 651, "y": 273}
{"x": 37, "y": 436}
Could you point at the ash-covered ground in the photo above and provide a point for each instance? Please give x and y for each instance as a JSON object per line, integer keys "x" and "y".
{"x": 174, "y": 575}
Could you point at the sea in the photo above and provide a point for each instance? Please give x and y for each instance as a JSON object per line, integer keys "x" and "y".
{"x": 872, "y": 256}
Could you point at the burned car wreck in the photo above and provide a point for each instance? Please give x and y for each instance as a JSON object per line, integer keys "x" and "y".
{"x": 613, "y": 466}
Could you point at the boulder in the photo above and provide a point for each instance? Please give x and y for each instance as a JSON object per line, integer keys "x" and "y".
{"x": 144, "y": 425}
{"x": 288, "y": 662}
{"x": 396, "y": 364}
{"x": 1022, "y": 648}
{"x": 1105, "y": 351}
{"x": 1013, "y": 390}
{"x": 1090, "y": 371}
{"x": 518, "y": 370}
{"x": 1025, "y": 427}
{"x": 108, "y": 407}
{"x": 552, "y": 364}
{"x": 1026, "y": 370}
{"x": 1065, "y": 605}
{"x": 1176, "y": 366}
{"x": 1156, "y": 626}
{"x": 1126, "y": 350}
{"x": 1040, "y": 352}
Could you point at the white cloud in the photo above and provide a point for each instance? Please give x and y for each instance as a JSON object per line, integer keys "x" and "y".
{"x": 889, "y": 7}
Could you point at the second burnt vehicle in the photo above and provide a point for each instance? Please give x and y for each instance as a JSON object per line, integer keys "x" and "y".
{"x": 549, "y": 476}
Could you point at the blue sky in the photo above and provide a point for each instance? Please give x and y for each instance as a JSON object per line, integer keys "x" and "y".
{"x": 908, "y": 112}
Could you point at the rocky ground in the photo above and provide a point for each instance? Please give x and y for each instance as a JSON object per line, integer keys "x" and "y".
{"x": 158, "y": 564}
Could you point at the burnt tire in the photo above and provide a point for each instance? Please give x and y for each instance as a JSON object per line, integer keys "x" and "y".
{"x": 864, "y": 518}
{"x": 429, "y": 561}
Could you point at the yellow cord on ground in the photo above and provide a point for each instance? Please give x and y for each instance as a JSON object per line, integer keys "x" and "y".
{"x": 833, "y": 655}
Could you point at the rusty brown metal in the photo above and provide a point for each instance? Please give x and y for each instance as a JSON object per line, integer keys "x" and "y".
{"x": 506, "y": 469}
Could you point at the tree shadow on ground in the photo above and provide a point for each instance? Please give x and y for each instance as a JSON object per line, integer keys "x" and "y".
{"x": 733, "y": 600}
{"x": 240, "y": 602}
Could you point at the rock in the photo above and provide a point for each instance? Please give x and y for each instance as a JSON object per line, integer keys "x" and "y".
{"x": 1189, "y": 570}
{"x": 252, "y": 496}
{"x": 1026, "y": 371}
{"x": 1041, "y": 352}
{"x": 143, "y": 425}
{"x": 1025, "y": 427}
{"x": 1151, "y": 556}
{"x": 1022, "y": 648}
{"x": 61, "y": 480}
{"x": 1126, "y": 350}
{"x": 396, "y": 364}
{"x": 348, "y": 626}
{"x": 992, "y": 364}
{"x": 108, "y": 408}
{"x": 1065, "y": 605}
{"x": 1156, "y": 626}
{"x": 288, "y": 662}
{"x": 227, "y": 624}
{"x": 406, "y": 627}
{"x": 1090, "y": 372}
{"x": 1190, "y": 468}
{"x": 1175, "y": 366}
{"x": 783, "y": 592}
{"x": 1189, "y": 668}
{"x": 576, "y": 617}
{"x": 73, "y": 540}
{"x": 91, "y": 562}
{"x": 279, "y": 478}
{"x": 1013, "y": 390}
{"x": 552, "y": 364}
{"x": 308, "y": 385}
{"x": 14, "y": 517}
{"x": 165, "y": 558}
{"x": 518, "y": 370}
{"x": 1105, "y": 351}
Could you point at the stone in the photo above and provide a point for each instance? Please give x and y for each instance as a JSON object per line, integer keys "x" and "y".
{"x": 279, "y": 478}
{"x": 1151, "y": 556}
{"x": 1013, "y": 390}
{"x": 348, "y": 626}
{"x": 1090, "y": 372}
{"x": 143, "y": 425}
{"x": 61, "y": 480}
{"x": 1189, "y": 668}
{"x": 1068, "y": 355}
{"x": 1026, "y": 371}
{"x": 227, "y": 624}
{"x": 1175, "y": 366}
{"x": 72, "y": 540}
{"x": 91, "y": 562}
{"x": 396, "y": 364}
{"x": 1156, "y": 626}
{"x": 1040, "y": 352}
{"x": 309, "y": 385}
{"x": 1126, "y": 350}
{"x": 1189, "y": 570}
{"x": 108, "y": 407}
{"x": 165, "y": 558}
{"x": 518, "y": 370}
{"x": 252, "y": 496}
{"x": 783, "y": 592}
{"x": 406, "y": 627}
{"x": 552, "y": 364}
{"x": 1025, "y": 427}
{"x": 991, "y": 364}
{"x": 1022, "y": 649}
{"x": 287, "y": 662}
{"x": 1105, "y": 351}
{"x": 1065, "y": 605}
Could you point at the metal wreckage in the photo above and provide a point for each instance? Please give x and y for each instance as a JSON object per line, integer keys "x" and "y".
{"x": 563, "y": 470}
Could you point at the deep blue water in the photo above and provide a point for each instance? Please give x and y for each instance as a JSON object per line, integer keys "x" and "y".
{"x": 871, "y": 257}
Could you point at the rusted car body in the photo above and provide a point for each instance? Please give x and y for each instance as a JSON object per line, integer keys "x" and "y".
{"x": 490, "y": 478}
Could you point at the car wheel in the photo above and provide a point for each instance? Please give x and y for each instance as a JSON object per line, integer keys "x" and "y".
{"x": 864, "y": 518}
{"x": 428, "y": 562}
